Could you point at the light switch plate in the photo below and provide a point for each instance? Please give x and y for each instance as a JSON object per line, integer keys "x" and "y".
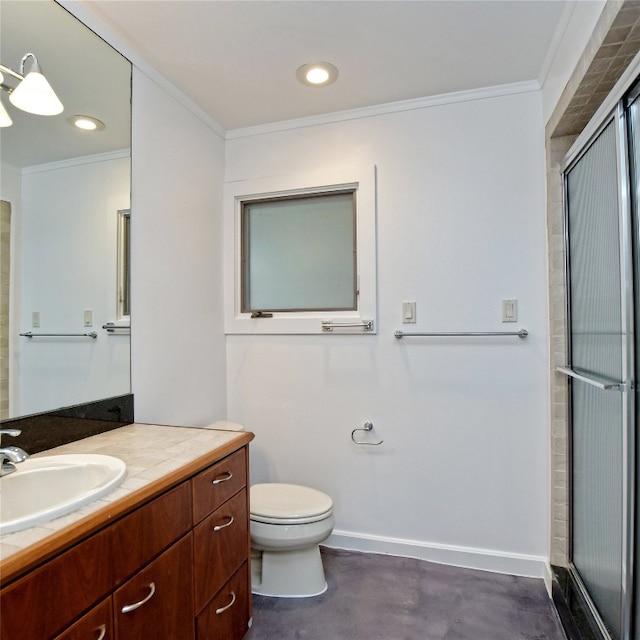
{"x": 510, "y": 310}
{"x": 408, "y": 312}
{"x": 88, "y": 318}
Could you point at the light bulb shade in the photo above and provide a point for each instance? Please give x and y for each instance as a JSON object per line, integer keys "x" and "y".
{"x": 35, "y": 95}
{"x": 5, "y": 119}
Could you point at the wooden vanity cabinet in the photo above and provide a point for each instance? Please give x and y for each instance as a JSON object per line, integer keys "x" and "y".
{"x": 158, "y": 572}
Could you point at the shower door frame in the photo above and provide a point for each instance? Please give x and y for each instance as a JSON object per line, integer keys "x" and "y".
{"x": 627, "y": 383}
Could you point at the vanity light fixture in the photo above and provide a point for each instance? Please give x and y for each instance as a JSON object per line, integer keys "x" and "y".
{"x": 86, "y": 123}
{"x": 317, "y": 74}
{"x": 33, "y": 92}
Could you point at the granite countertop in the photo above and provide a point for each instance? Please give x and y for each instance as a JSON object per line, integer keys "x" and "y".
{"x": 152, "y": 454}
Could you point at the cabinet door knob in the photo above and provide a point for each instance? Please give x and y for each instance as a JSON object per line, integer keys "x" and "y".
{"x": 228, "y": 606}
{"x": 226, "y": 477}
{"x": 219, "y": 527}
{"x": 103, "y": 631}
{"x": 132, "y": 607}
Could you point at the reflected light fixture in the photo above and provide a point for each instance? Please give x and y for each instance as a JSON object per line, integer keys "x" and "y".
{"x": 5, "y": 118}
{"x": 33, "y": 93}
{"x": 317, "y": 74}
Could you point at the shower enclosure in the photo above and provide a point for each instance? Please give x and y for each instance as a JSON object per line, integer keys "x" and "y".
{"x": 601, "y": 183}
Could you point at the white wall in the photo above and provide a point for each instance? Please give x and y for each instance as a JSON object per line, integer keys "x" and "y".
{"x": 461, "y": 225}
{"x": 66, "y": 246}
{"x": 178, "y": 349}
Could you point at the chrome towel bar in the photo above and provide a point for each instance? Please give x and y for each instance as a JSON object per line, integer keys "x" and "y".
{"x": 330, "y": 325}
{"x": 523, "y": 333}
{"x": 29, "y": 334}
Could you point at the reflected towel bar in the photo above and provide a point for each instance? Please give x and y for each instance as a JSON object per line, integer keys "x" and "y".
{"x": 111, "y": 327}
{"x": 29, "y": 334}
{"x": 523, "y": 333}
{"x": 329, "y": 325}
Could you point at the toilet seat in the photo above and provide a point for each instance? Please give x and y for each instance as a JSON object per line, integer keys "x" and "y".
{"x": 287, "y": 504}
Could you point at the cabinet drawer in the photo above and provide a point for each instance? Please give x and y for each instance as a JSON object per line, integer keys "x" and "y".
{"x": 221, "y": 545}
{"x": 218, "y": 483}
{"x": 43, "y": 603}
{"x": 97, "y": 624}
{"x": 227, "y": 616}
{"x": 158, "y": 601}
{"x": 143, "y": 534}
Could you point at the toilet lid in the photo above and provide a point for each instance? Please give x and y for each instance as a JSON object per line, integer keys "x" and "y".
{"x": 274, "y": 500}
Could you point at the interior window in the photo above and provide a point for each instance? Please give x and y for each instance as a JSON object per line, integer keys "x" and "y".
{"x": 304, "y": 253}
{"x": 299, "y": 253}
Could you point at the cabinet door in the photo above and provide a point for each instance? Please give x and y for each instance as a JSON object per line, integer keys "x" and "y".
{"x": 218, "y": 483}
{"x": 227, "y": 616}
{"x": 45, "y": 601}
{"x": 143, "y": 534}
{"x": 221, "y": 545}
{"x": 158, "y": 601}
{"x": 97, "y": 624}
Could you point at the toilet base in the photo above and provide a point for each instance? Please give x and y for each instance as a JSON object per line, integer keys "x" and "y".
{"x": 288, "y": 574}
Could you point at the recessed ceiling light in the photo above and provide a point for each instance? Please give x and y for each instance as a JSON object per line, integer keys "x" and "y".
{"x": 317, "y": 74}
{"x": 86, "y": 123}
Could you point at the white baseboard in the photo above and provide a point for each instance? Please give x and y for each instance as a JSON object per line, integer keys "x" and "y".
{"x": 470, "y": 558}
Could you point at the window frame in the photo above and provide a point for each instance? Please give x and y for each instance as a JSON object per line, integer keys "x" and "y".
{"x": 123, "y": 302}
{"x": 362, "y": 181}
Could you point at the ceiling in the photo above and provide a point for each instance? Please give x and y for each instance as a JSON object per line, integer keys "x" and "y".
{"x": 237, "y": 59}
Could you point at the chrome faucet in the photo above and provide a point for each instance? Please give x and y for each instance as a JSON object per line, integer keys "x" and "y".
{"x": 10, "y": 456}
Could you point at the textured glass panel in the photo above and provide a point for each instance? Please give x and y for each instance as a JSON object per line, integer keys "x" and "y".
{"x": 596, "y": 349}
{"x": 594, "y": 249}
{"x": 299, "y": 254}
{"x": 597, "y": 497}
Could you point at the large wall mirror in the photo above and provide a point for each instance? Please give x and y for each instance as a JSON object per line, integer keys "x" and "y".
{"x": 63, "y": 191}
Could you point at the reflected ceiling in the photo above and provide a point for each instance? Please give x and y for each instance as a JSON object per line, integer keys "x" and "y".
{"x": 76, "y": 64}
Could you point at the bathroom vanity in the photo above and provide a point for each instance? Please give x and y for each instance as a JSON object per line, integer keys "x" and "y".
{"x": 165, "y": 556}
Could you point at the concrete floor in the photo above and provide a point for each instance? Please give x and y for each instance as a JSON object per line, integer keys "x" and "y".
{"x": 378, "y": 597}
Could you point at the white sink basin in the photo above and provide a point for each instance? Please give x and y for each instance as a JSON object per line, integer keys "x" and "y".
{"x": 45, "y": 488}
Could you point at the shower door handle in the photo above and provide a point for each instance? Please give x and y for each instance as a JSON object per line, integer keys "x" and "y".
{"x": 605, "y": 385}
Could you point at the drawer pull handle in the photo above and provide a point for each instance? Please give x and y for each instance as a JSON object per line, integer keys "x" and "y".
{"x": 223, "y": 609}
{"x": 224, "y": 479}
{"x": 132, "y": 607}
{"x": 218, "y": 527}
{"x": 103, "y": 631}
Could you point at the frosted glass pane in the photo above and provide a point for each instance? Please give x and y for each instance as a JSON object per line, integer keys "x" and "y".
{"x": 596, "y": 349}
{"x": 299, "y": 254}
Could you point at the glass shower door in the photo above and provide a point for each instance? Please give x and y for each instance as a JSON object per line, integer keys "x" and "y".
{"x": 599, "y": 361}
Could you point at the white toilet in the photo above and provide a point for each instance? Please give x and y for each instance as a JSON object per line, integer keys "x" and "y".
{"x": 288, "y": 522}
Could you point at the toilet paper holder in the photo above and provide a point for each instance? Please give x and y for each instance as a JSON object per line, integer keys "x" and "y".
{"x": 366, "y": 427}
